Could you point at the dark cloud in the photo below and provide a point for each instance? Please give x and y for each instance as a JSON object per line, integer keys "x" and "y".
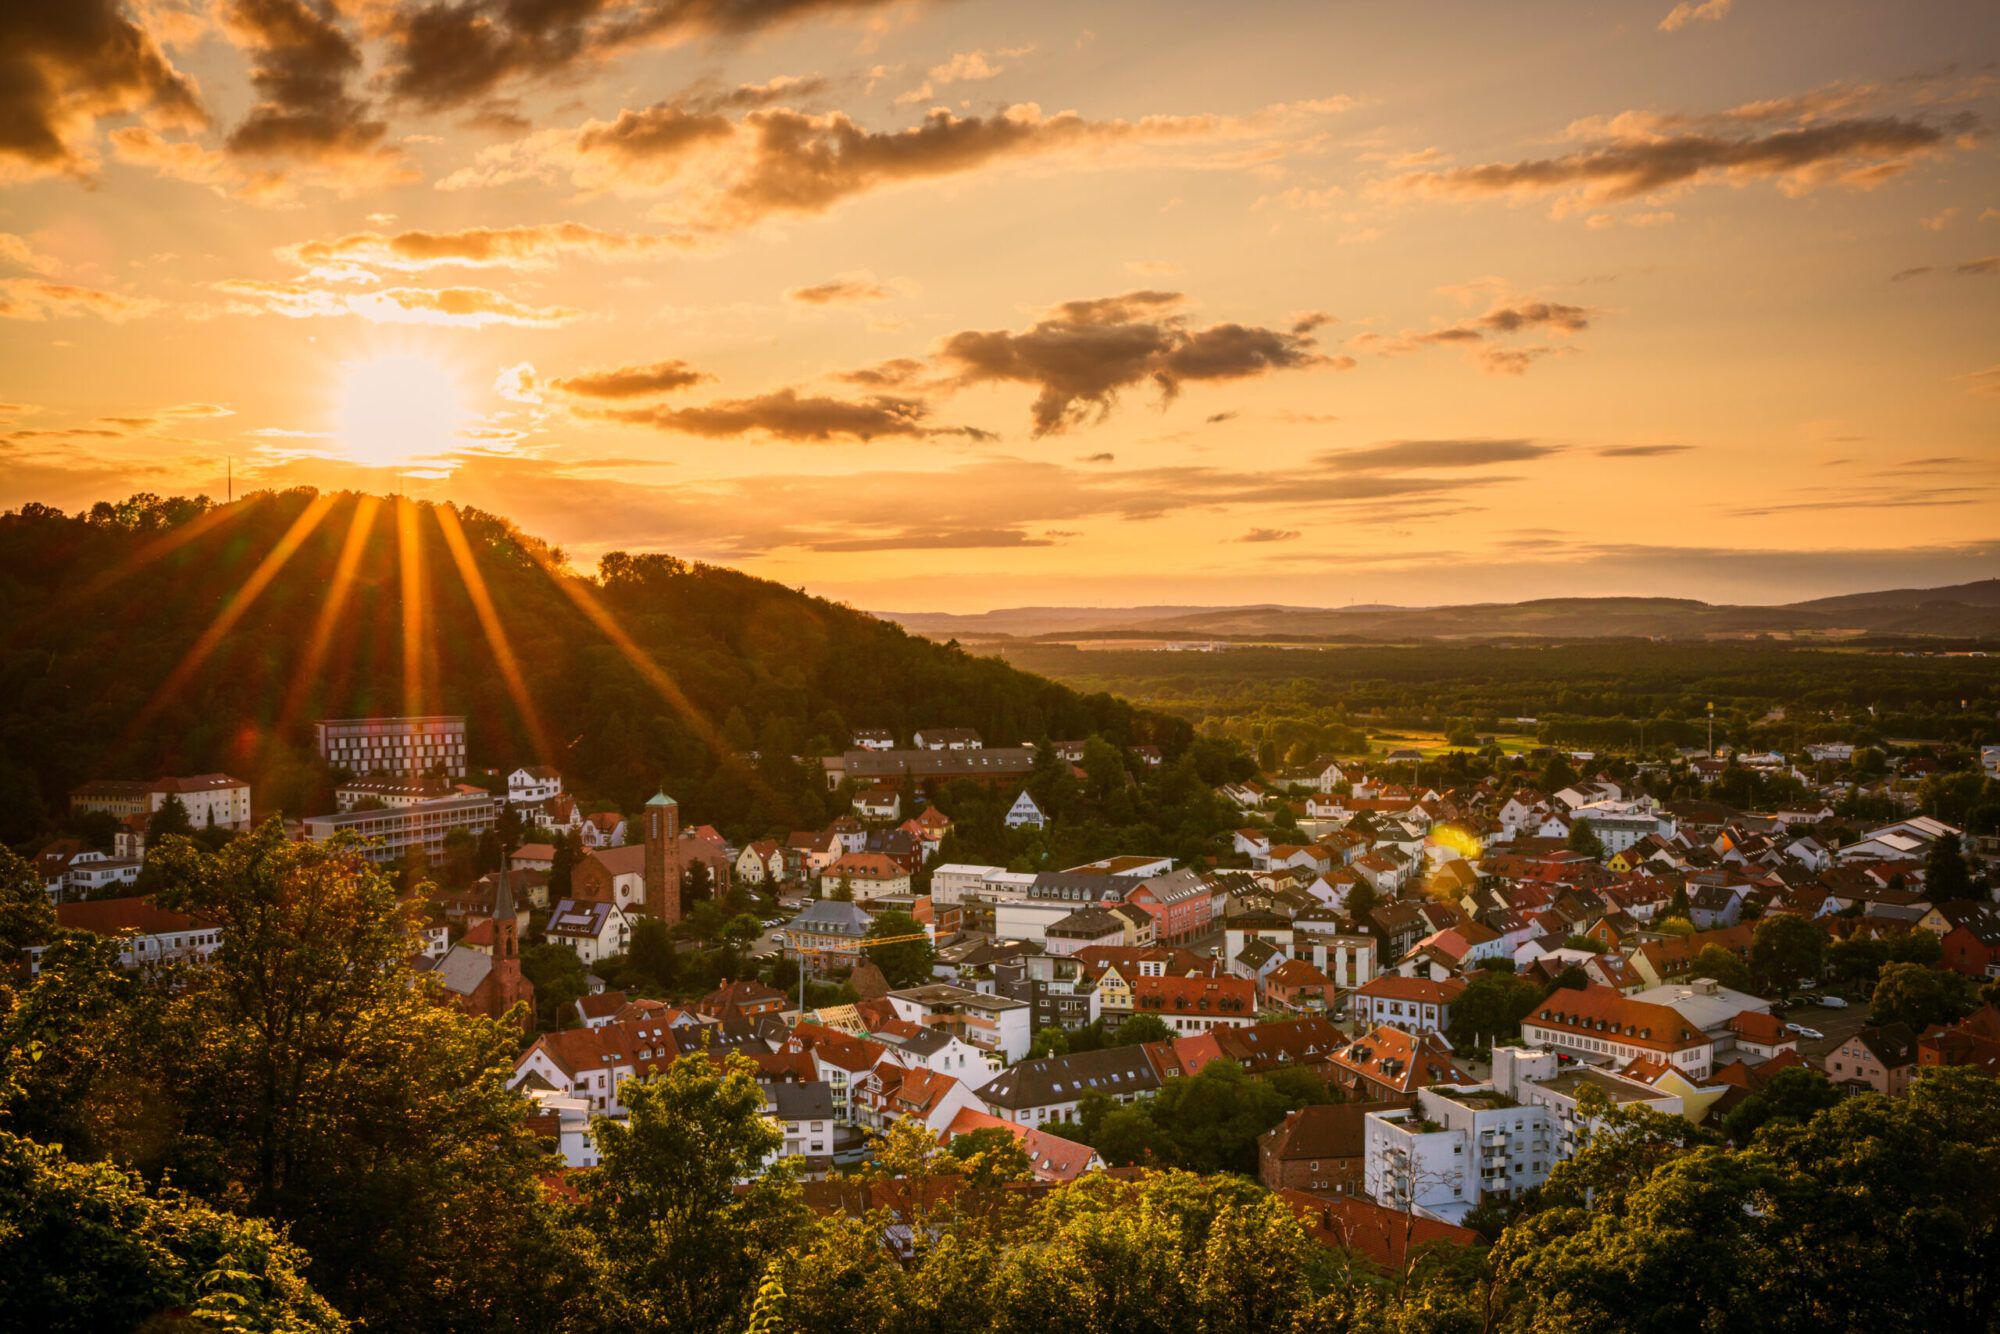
{"x": 657, "y": 134}
{"x": 1217, "y": 418}
{"x": 1984, "y": 267}
{"x": 1269, "y": 535}
{"x": 1641, "y": 451}
{"x": 1638, "y": 161}
{"x": 1083, "y": 353}
{"x": 448, "y": 54}
{"x": 1532, "y": 314}
{"x": 788, "y": 415}
{"x": 64, "y": 64}
{"x": 302, "y": 60}
{"x": 840, "y": 291}
{"x": 1474, "y": 334}
{"x": 662, "y": 377}
{"x": 1427, "y": 454}
{"x": 1098, "y": 458}
{"x": 885, "y": 374}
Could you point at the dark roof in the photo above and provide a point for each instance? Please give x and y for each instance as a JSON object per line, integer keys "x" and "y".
{"x": 1331, "y": 1131}
{"x": 801, "y": 1102}
{"x": 1894, "y": 1045}
{"x": 1059, "y": 1079}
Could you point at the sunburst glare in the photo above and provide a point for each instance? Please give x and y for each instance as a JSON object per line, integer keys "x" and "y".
{"x": 398, "y": 409}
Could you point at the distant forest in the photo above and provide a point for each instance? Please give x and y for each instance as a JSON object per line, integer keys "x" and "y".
{"x": 170, "y": 636}
{"x": 1603, "y": 693}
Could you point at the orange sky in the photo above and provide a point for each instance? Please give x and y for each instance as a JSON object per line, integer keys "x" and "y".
{"x": 956, "y": 305}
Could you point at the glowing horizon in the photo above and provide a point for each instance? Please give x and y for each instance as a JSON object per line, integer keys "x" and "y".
{"x": 948, "y": 307}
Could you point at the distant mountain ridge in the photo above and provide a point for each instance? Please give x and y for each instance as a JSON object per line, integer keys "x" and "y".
{"x": 1969, "y": 610}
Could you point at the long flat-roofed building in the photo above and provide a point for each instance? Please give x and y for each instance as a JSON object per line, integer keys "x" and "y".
{"x": 389, "y": 833}
{"x": 393, "y": 745}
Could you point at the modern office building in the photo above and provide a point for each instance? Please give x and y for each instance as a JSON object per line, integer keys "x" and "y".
{"x": 394, "y": 745}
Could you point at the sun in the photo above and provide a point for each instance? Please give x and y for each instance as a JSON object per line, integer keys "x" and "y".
{"x": 397, "y": 409}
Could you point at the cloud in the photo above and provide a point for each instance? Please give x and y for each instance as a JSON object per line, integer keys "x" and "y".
{"x": 302, "y": 60}
{"x": 1424, "y": 455}
{"x": 35, "y": 299}
{"x": 1641, "y": 451}
{"x": 889, "y": 374}
{"x": 933, "y": 539}
{"x": 1985, "y": 266}
{"x": 1640, "y": 153}
{"x": 963, "y": 67}
{"x": 449, "y": 54}
{"x": 858, "y": 287}
{"x": 1269, "y": 535}
{"x": 661, "y": 377}
{"x": 1083, "y": 353}
{"x": 780, "y": 162}
{"x": 531, "y": 246}
{"x": 1501, "y": 319}
{"x": 66, "y": 64}
{"x": 789, "y": 415}
{"x": 1688, "y": 11}
{"x": 464, "y": 307}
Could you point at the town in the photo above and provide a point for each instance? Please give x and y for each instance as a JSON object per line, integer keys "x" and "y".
{"x": 1441, "y": 978}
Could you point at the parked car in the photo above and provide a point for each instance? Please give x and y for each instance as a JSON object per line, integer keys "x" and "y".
{"x": 1832, "y": 1002}
{"x": 1801, "y": 1031}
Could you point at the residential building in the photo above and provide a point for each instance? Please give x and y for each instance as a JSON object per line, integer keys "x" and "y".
{"x": 826, "y": 936}
{"x": 804, "y": 1114}
{"x": 389, "y": 835}
{"x": 951, "y": 882}
{"x": 992, "y": 765}
{"x": 593, "y": 928}
{"x": 1025, "y": 813}
{"x": 393, "y": 745}
{"x": 1386, "y": 1063}
{"x": 1317, "y": 1149}
{"x": 531, "y": 785}
{"x": 1602, "y": 1027}
{"x": 1880, "y": 1058}
{"x": 991, "y": 1023}
{"x": 1051, "y": 1158}
{"x": 1460, "y": 1144}
{"x": 868, "y": 876}
{"x": 148, "y": 935}
{"x": 1050, "y": 1088}
{"x": 394, "y": 793}
{"x": 948, "y": 738}
{"x": 1181, "y": 902}
{"x": 1414, "y": 1004}
{"x": 1196, "y": 1004}
{"x": 209, "y": 799}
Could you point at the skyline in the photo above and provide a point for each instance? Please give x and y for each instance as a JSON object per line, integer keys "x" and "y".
{"x": 949, "y": 307}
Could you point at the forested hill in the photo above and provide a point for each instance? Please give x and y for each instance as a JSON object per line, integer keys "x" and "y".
{"x": 166, "y": 636}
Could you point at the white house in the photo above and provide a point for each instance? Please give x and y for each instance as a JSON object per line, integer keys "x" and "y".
{"x": 595, "y": 930}
{"x": 1024, "y": 811}
{"x": 951, "y": 882}
{"x": 147, "y": 934}
{"x": 527, "y": 786}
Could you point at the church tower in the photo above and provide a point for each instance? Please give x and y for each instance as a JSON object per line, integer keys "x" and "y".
{"x": 506, "y": 986}
{"x": 663, "y": 858}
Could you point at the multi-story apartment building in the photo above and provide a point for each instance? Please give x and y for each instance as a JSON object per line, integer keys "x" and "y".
{"x": 209, "y": 799}
{"x": 1461, "y": 1143}
{"x": 394, "y": 745}
{"x": 389, "y": 833}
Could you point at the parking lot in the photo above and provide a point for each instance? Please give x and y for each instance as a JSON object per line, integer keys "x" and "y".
{"x": 1837, "y": 1025}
